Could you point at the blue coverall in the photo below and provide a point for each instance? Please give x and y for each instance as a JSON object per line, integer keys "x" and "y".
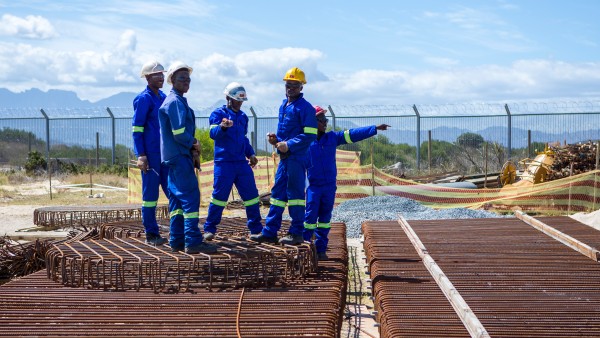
{"x": 146, "y": 142}
{"x": 232, "y": 148}
{"x": 322, "y": 175}
{"x": 298, "y": 127}
{"x": 177, "y": 128}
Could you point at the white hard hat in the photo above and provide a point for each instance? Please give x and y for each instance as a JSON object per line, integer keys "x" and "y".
{"x": 235, "y": 91}
{"x": 177, "y": 65}
{"x": 151, "y": 67}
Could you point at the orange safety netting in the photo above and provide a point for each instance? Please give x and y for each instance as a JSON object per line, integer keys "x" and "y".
{"x": 571, "y": 194}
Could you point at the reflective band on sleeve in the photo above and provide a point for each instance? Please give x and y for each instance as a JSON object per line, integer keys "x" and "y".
{"x": 178, "y": 131}
{"x": 310, "y": 130}
{"x": 217, "y": 202}
{"x": 149, "y": 204}
{"x": 296, "y": 203}
{"x": 138, "y": 129}
{"x": 176, "y": 212}
{"x": 213, "y": 126}
{"x": 310, "y": 226}
{"x": 190, "y": 215}
{"x": 278, "y": 203}
{"x": 347, "y": 136}
{"x": 324, "y": 225}
{"x": 251, "y": 202}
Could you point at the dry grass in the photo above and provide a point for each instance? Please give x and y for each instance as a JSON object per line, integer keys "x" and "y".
{"x": 18, "y": 189}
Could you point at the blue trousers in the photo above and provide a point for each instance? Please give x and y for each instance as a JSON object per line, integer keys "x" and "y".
{"x": 157, "y": 175}
{"x": 317, "y": 221}
{"x": 184, "y": 203}
{"x": 226, "y": 175}
{"x": 288, "y": 190}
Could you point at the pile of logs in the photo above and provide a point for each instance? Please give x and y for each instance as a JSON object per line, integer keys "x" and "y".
{"x": 578, "y": 158}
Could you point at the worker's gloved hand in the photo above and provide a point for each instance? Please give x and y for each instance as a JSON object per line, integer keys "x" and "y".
{"x": 272, "y": 138}
{"x": 196, "y": 159}
{"x": 282, "y": 147}
{"x": 382, "y": 127}
{"x": 226, "y": 123}
{"x": 142, "y": 163}
{"x": 253, "y": 161}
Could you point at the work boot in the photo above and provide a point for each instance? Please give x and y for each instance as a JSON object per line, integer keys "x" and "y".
{"x": 291, "y": 239}
{"x": 322, "y": 256}
{"x": 201, "y": 248}
{"x": 260, "y": 238}
{"x": 176, "y": 249}
{"x": 208, "y": 236}
{"x": 155, "y": 240}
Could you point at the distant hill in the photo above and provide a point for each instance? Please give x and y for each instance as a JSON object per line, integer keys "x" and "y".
{"x": 36, "y": 98}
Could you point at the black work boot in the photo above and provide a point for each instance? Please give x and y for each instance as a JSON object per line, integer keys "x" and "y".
{"x": 322, "y": 256}
{"x": 291, "y": 239}
{"x": 201, "y": 248}
{"x": 260, "y": 238}
{"x": 208, "y": 236}
{"x": 155, "y": 240}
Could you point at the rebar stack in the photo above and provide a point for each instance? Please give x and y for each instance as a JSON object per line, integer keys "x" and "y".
{"x": 307, "y": 307}
{"x": 90, "y": 216}
{"x": 121, "y": 260}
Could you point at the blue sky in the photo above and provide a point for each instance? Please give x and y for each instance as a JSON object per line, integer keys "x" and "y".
{"x": 353, "y": 52}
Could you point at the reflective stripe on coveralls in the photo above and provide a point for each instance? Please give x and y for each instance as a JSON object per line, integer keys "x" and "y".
{"x": 232, "y": 148}
{"x": 146, "y": 141}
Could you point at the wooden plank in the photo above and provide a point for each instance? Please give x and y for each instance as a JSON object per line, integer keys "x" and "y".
{"x": 567, "y": 240}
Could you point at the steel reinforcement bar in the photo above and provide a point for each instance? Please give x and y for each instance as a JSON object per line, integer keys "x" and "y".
{"x": 518, "y": 281}
{"x": 307, "y": 307}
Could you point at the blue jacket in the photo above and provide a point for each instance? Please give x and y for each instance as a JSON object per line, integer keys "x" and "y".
{"x": 177, "y": 126}
{"x": 322, "y": 169}
{"x": 297, "y": 126}
{"x": 231, "y": 144}
{"x": 146, "y": 128}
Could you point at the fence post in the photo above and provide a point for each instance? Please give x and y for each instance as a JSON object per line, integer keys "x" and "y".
{"x": 332, "y": 115}
{"x": 97, "y": 149}
{"x": 429, "y": 150}
{"x": 418, "y": 136}
{"x": 47, "y": 135}
{"x": 255, "y": 121}
{"x": 112, "y": 118}
{"x": 509, "y": 128}
{"x": 528, "y": 143}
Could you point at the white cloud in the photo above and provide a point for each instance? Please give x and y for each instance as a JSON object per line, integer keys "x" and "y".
{"x": 97, "y": 74}
{"x": 31, "y": 27}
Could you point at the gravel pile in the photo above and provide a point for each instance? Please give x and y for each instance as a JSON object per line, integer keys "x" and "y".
{"x": 383, "y": 208}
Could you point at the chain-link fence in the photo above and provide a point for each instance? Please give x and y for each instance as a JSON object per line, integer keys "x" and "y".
{"x": 422, "y": 138}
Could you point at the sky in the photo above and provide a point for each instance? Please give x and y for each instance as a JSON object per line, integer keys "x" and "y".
{"x": 384, "y": 52}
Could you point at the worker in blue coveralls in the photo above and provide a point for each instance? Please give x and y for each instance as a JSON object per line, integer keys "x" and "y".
{"x": 146, "y": 145}
{"x": 322, "y": 173}
{"x": 296, "y": 130}
{"x": 234, "y": 160}
{"x": 180, "y": 151}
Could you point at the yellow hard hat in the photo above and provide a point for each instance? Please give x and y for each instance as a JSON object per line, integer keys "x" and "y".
{"x": 295, "y": 74}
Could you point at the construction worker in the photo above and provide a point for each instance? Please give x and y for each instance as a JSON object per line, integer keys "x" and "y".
{"x": 320, "y": 194}
{"x": 296, "y": 130}
{"x": 181, "y": 152}
{"x": 229, "y": 129}
{"x": 146, "y": 145}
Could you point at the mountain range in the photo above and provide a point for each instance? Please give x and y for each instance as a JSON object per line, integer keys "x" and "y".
{"x": 55, "y": 98}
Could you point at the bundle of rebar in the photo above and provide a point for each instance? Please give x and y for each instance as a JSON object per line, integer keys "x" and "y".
{"x": 85, "y": 217}
{"x": 21, "y": 259}
{"x": 121, "y": 260}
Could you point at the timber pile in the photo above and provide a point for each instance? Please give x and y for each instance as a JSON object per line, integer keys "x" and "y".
{"x": 581, "y": 156}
